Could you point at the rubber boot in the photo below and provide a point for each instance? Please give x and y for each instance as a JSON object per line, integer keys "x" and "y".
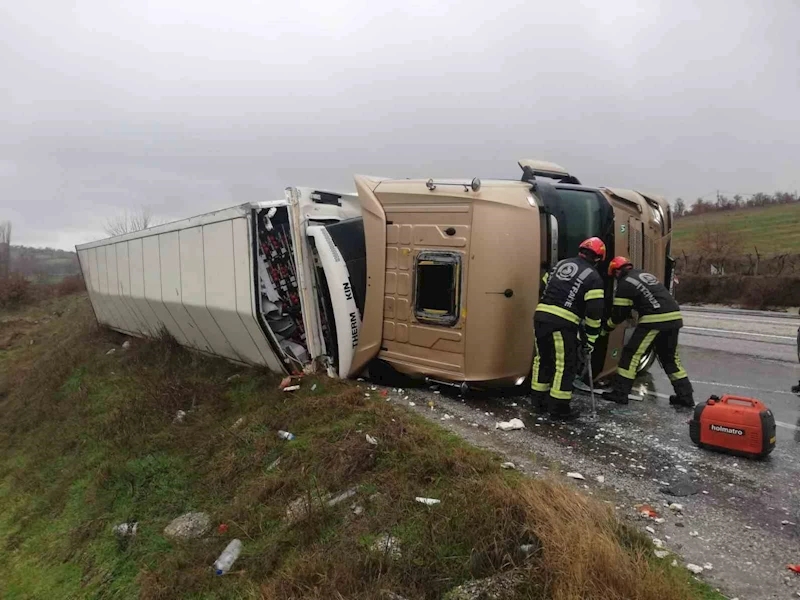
{"x": 561, "y": 410}
{"x": 621, "y": 390}
{"x": 539, "y": 402}
{"x": 684, "y": 394}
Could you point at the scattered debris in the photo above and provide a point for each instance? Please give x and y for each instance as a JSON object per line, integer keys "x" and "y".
{"x": 274, "y": 464}
{"x": 427, "y": 501}
{"x": 388, "y": 545}
{"x": 708, "y": 567}
{"x": 447, "y": 417}
{"x": 693, "y": 533}
{"x": 179, "y": 416}
{"x": 238, "y": 423}
{"x": 795, "y": 568}
{"x": 658, "y": 543}
{"x": 223, "y": 528}
{"x": 291, "y": 388}
{"x": 125, "y": 529}
{"x": 647, "y": 511}
{"x": 109, "y": 352}
{"x": 600, "y": 479}
{"x": 784, "y": 522}
{"x": 314, "y": 387}
{"x": 285, "y": 435}
{"x": 660, "y": 520}
{"x": 502, "y": 586}
{"x": 674, "y": 562}
{"x": 509, "y": 425}
{"x": 661, "y": 553}
{"x": 676, "y": 508}
{"x": 188, "y": 526}
{"x": 412, "y": 404}
{"x": 233, "y": 377}
{"x": 225, "y": 561}
{"x": 371, "y": 440}
{"x": 357, "y": 509}
{"x": 696, "y": 569}
{"x": 574, "y": 475}
{"x": 508, "y": 465}
{"x": 342, "y": 497}
{"x": 528, "y": 549}
{"x": 650, "y": 530}
{"x": 285, "y": 382}
{"x": 126, "y": 344}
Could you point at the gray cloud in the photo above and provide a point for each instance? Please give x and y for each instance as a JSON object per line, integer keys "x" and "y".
{"x": 191, "y": 106}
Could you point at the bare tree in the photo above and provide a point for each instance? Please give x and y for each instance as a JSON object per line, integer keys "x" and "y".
{"x": 716, "y": 244}
{"x": 130, "y": 222}
{"x": 5, "y": 249}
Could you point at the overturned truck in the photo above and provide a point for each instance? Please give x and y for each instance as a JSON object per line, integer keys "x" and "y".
{"x": 435, "y": 279}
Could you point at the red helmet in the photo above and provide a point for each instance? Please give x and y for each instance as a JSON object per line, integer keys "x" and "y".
{"x": 618, "y": 263}
{"x": 596, "y": 245}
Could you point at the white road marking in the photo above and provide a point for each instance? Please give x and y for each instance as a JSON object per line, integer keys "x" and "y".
{"x": 742, "y": 387}
{"x": 767, "y": 335}
{"x": 787, "y": 425}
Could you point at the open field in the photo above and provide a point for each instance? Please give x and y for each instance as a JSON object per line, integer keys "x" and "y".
{"x": 773, "y": 229}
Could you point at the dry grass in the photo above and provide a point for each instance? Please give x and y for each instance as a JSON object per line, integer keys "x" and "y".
{"x": 88, "y": 440}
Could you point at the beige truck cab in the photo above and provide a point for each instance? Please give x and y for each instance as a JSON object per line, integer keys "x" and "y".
{"x": 452, "y": 297}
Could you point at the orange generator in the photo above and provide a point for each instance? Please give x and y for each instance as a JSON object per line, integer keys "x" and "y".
{"x": 734, "y": 424}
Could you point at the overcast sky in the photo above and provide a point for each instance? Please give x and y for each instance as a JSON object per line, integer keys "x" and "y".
{"x": 188, "y": 106}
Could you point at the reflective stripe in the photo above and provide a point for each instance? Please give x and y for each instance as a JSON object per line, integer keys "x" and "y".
{"x": 630, "y": 372}
{"x": 662, "y": 318}
{"x": 535, "y": 385}
{"x": 559, "y": 312}
{"x": 623, "y": 302}
{"x": 594, "y": 295}
{"x": 546, "y": 278}
{"x": 591, "y": 338}
{"x": 681, "y": 372}
{"x": 559, "y": 395}
{"x": 596, "y": 323}
{"x": 556, "y": 391}
{"x": 610, "y": 324}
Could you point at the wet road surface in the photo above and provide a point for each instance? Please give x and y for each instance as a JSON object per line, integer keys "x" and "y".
{"x": 744, "y": 519}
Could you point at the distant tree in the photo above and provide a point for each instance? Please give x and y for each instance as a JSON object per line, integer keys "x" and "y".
{"x": 5, "y": 248}
{"x": 680, "y": 208}
{"x": 130, "y": 222}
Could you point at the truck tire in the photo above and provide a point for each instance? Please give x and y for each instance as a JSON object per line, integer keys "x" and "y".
{"x": 647, "y": 361}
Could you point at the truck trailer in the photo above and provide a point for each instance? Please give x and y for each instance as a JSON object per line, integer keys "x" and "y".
{"x": 435, "y": 279}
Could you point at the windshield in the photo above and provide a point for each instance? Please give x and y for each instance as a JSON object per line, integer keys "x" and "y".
{"x": 581, "y": 214}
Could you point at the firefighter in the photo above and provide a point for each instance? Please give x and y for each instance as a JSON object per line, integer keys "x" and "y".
{"x": 659, "y": 323}
{"x": 573, "y": 293}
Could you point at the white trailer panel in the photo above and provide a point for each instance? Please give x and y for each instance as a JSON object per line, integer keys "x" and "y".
{"x": 194, "y": 278}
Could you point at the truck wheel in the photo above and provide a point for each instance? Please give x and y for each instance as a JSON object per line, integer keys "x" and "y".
{"x": 647, "y": 361}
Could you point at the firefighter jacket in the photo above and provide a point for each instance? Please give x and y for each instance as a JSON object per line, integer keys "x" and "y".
{"x": 573, "y": 292}
{"x": 644, "y": 293}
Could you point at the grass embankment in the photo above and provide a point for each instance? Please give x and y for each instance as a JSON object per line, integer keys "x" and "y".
{"x": 773, "y": 229}
{"x": 87, "y": 440}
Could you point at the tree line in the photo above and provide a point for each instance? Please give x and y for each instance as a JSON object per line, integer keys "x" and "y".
{"x": 722, "y": 202}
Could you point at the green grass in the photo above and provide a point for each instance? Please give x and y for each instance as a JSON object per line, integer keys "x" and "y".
{"x": 87, "y": 441}
{"x": 773, "y": 229}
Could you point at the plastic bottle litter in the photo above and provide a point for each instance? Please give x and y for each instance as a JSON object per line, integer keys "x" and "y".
{"x": 225, "y": 561}
{"x": 285, "y": 435}
{"x": 126, "y": 529}
{"x": 427, "y": 501}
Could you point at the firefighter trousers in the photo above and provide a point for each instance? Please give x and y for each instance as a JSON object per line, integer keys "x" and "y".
{"x": 555, "y": 362}
{"x": 665, "y": 342}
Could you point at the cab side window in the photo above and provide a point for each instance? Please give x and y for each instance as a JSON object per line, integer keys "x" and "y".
{"x": 437, "y": 288}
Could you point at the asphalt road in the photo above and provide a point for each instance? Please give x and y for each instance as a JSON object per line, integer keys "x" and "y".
{"x": 744, "y": 517}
